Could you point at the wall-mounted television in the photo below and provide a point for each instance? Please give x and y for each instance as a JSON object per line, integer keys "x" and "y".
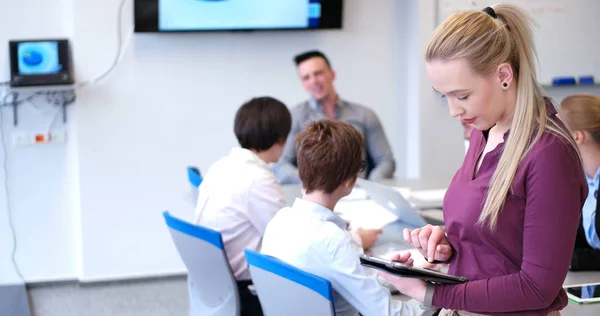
{"x": 236, "y": 15}
{"x": 40, "y": 62}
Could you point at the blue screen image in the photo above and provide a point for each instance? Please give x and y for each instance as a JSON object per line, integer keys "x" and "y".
{"x": 236, "y": 14}
{"x": 38, "y": 58}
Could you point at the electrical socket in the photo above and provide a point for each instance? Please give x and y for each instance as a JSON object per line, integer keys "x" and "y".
{"x": 21, "y": 139}
{"x": 29, "y": 138}
{"x": 57, "y": 136}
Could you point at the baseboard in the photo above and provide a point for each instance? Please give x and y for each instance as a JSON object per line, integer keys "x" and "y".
{"x": 132, "y": 277}
{"x": 54, "y": 279}
{"x": 182, "y": 273}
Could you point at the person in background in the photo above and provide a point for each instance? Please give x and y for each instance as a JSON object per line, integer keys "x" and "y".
{"x": 512, "y": 209}
{"x": 581, "y": 114}
{"x": 240, "y": 194}
{"x": 317, "y": 77}
{"x": 329, "y": 160}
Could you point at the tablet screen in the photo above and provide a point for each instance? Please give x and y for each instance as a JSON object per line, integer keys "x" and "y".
{"x": 584, "y": 293}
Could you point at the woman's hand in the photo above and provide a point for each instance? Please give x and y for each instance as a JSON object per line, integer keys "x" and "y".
{"x": 412, "y": 287}
{"x": 431, "y": 241}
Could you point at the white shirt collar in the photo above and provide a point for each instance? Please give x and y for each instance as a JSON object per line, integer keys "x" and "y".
{"x": 595, "y": 179}
{"x": 246, "y": 155}
{"x": 320, "y": 212}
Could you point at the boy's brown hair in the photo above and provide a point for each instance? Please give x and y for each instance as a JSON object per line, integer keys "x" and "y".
{"x": 329, "y": 153}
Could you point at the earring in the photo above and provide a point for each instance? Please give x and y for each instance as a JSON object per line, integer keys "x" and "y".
{"x": 505, "y": 85}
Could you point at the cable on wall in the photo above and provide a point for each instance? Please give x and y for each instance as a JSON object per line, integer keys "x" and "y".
{"x": 13, "y": 231}
{"x": 66, "y": 97}
{"x": 120, "y": 50}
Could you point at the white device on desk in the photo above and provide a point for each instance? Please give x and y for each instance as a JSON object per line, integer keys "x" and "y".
{"x": 584, "y": 293}
{"x": 393, "y": 201}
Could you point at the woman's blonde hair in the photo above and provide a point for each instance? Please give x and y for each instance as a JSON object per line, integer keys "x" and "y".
{"x": 485, "y": 42}
{"x": 581, "y": 112}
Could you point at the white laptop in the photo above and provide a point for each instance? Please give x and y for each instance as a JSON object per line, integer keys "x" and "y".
{"x": 392, "y": 200}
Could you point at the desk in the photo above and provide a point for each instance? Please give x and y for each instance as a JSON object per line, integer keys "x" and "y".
{"x": 391, "y": 240}
{"x": 292, "y": 191}
{"x": 576, "y": 309}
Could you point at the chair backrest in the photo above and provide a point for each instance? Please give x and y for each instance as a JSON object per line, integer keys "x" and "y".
{"x": 194, "y": 176}
{"x": 211, "y": 284}
{"x": 286, "y": 290}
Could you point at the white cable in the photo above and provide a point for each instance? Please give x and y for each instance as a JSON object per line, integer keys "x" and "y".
{"x": 41, "y": 111}
{"x": 120, "y": 50}
{"x": 56, "y": 114}
{"x": 118, "y": 57}
{"x": 7, "y": 193}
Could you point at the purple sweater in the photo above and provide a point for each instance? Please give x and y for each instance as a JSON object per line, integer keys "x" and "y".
{"x": 519, "y": 269}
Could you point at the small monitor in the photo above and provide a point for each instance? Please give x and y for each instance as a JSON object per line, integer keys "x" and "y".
{"x": 40, "y": 63}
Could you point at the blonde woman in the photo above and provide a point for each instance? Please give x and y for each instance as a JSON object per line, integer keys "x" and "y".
{"x": 512, "y": 209}
{"x": 581, "y": 114}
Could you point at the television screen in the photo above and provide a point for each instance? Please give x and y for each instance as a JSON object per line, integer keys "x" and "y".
{"x": 234, "y": 15}
{"x": 40, "y": 62}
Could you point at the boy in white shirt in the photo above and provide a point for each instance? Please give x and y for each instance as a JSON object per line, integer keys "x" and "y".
{"x": 240, "y": 194}
{"x": 309, "y": 236}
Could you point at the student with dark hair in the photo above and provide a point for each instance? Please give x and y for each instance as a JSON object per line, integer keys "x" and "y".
{"x": 317, "y": 76}
{"x": 240, "y": 194}
{"x": 311, "y": 237}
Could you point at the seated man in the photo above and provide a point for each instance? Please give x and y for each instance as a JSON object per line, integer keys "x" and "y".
{"x": 311, "y": 237}
{"x": 317, "y": 78}
{"x": 240, "y": 194}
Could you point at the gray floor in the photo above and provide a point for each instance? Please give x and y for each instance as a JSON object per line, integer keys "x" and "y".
{"x": 153, "y": 297}
{"x": 149, "y": 297}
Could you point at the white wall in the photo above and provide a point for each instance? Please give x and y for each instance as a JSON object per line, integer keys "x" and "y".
{"x": 433, "y": 151}
{"x": 91, "y": 208}
{"x": 434, "y": 145}
{"x": 141, "y": 127}
{"x": 40, "y": 178}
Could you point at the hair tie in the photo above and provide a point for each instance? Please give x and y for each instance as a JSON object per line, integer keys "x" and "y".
{"x": 491, "y": 12}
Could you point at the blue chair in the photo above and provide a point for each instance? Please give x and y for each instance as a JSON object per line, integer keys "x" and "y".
{"x": 195, "y": 178}
{"x": 211, "y": 284}
{"x": 285, "y": 290}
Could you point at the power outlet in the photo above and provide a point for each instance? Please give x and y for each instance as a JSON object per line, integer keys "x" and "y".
{"x": 29, "y": 138}
{"x": 58, "y": 136}
{"x": 21, "y": 138}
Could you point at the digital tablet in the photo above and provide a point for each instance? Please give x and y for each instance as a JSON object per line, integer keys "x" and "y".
{"x": 403, "y": 270}
{"x": 584, "y": 293}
